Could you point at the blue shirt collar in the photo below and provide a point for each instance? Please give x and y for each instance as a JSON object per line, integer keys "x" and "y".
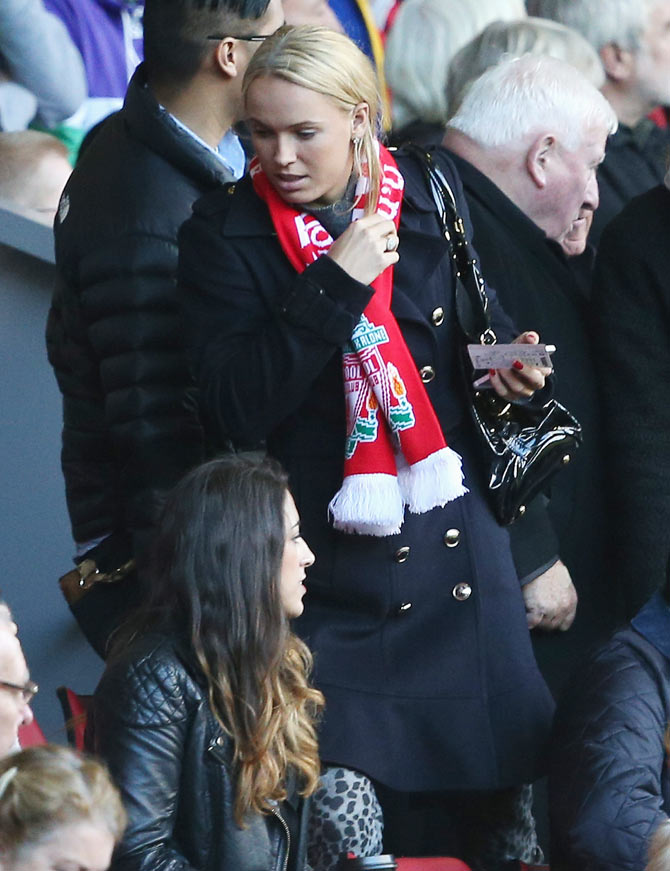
{"x": 229, "y": 150}
{"x": 653, "y": 623}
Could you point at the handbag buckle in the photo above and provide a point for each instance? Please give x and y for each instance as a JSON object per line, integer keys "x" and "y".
{"x": 488, "y": 337}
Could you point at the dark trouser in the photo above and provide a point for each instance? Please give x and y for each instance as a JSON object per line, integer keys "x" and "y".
{"x": 490, "y": 831}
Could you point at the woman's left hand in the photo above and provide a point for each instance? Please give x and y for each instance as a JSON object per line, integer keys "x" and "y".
{"x": 521, "y": 381}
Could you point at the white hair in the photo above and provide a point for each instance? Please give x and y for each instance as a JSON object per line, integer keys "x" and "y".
{"x": 529, "y": 94}
{"x": 599, "y": 21}
{"x": 422, "y": 41}
{"x": 513, "y": 39}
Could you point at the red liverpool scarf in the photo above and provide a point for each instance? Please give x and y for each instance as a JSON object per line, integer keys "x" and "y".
{"x": 395, "y": 453}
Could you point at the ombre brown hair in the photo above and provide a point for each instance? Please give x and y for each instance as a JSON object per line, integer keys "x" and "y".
{"x": 214, "y": 577}
{"x": 328, "y": 63}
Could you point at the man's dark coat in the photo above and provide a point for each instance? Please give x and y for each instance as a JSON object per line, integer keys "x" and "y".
{"x": 538, "y": 289}
{"x": 114, "y": 335}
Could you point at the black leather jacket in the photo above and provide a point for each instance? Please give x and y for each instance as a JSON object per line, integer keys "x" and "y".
{"x": 152, "y": 724}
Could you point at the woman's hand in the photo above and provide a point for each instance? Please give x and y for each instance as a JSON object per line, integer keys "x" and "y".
{"x": 521, "y": 381}
{"x": 366, "y": 248}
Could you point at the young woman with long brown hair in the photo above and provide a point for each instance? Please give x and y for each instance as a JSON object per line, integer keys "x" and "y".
{"x": 205, "y": 714}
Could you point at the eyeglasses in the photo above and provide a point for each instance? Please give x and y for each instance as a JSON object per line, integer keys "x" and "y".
{"x": 250, "y": 38}
{"x": 28, "y": 690}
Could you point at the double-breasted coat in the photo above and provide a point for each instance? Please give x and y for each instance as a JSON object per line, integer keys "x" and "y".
{"x": 420, "y": 639}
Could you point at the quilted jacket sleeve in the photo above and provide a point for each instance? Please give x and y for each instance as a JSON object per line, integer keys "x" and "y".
{"x": 608, "y": 759}
{"x": 131, "y": 427}
{"x": 140, "y": 723}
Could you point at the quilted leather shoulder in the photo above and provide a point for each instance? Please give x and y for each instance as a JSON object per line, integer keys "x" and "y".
{"x": 149, "y": 684}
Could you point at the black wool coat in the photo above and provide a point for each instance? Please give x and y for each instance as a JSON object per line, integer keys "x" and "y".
{"x": 429, "y": 684}
{"x": 631, "y": 313}
{"x": 636, "y": 160}
{"x": 537, "y": 287}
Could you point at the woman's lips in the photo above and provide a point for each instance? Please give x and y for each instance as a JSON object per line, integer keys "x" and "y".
{"x": 288, "y": 182}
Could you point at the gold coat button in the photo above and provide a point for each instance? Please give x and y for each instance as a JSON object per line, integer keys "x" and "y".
{"x": 437, "y": 317}
{"x": 462, "y": 592}
{"x": 452, "y": 537}
{"x": 427, "y": 374}
{"x": 400, "y": 556}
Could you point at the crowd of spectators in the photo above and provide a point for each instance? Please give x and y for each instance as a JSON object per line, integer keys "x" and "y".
{"x": 249, "y": 261}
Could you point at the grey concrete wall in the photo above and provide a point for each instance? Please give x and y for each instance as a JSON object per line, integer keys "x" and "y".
{"x": 35, "y": 540}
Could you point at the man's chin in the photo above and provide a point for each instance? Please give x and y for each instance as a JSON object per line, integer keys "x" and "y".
{"x": 573, "y": 247}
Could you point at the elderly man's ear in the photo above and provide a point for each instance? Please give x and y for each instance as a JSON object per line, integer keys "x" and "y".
{"x": 539, "y": 157}
{"x": 618, "y": 63}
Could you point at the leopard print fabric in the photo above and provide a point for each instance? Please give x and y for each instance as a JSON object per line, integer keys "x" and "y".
{"x": 496, "y": 829}
{"x": 345, "y": 817}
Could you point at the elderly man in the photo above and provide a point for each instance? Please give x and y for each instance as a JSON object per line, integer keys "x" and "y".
{"x": 16, "y": 688}
{"x": 633, "y": 41}
{"x": 527, "y": 141}
{"x": 114, "y": 335}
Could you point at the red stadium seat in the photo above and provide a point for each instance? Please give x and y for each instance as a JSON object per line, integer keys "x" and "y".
{"x": 75, "y": 710}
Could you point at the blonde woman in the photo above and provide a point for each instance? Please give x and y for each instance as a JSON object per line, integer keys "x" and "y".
{"x": 58, "y": 810}
{"x": 204, "y": 713}
{"x": 320, "y": 296}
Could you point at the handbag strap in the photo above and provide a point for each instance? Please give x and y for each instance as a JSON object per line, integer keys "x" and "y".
{"x": 471, "y": 300}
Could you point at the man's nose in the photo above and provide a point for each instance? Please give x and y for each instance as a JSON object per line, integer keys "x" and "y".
{"x": 591, "y": 195}
{"x": 27, "y": 715}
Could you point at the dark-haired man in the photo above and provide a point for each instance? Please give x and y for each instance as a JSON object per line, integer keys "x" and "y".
{"x": 114, "y": 332}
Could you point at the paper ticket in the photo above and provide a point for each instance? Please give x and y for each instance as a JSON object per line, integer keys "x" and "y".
{"x": 502, "y": 356}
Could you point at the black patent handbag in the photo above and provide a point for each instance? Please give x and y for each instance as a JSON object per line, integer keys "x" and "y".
{"x": 523, "y": 445}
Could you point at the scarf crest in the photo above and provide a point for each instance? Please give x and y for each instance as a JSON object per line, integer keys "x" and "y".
{"x": 395, "y": 454}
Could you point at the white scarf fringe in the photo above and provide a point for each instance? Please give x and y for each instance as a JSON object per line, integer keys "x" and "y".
{"x": 374, "y": 504}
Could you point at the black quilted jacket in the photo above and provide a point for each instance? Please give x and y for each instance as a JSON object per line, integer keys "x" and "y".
{"x": 609, "y": 768}
{"x": 114, "y": 335}
{"x": 152, "y": 724}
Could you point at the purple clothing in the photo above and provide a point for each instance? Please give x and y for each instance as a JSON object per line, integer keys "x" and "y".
{"x": 97, "y": 29}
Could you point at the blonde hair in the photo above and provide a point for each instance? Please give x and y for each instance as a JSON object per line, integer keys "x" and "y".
{"x": 46, "y": 787}
{"x": 327, "y": 63}
{"x": 659, "y": 850}
{"x": 22, "y": 153}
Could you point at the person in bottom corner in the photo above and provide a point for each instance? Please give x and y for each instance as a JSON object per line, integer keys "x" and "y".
{"x": 57, "y": 810}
